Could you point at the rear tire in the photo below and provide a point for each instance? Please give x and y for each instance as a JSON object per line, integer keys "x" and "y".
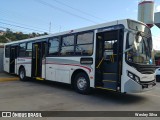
{"x": 82, "y": 84}
{"x": 22, "y": 74}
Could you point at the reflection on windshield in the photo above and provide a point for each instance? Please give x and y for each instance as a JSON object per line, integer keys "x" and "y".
{"x": 142, "y": 50}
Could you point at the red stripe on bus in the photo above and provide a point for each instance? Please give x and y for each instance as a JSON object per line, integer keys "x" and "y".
{"x": 25, "y": 63}
{"x": 25, "y": 58}
{"x": 89, "y": 69}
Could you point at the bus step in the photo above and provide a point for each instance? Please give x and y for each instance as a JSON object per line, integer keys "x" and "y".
{"x": 38, "y": 78}
{"x": 105, "y": 89}
{"x": 110, "y": 84}
{"x": 110, "y": 76}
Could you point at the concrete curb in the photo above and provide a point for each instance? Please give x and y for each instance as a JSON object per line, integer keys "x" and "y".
{"x": 9, "y": 79}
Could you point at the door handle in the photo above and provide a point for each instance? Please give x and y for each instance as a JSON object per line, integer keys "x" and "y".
{"x": 50, "y": 67}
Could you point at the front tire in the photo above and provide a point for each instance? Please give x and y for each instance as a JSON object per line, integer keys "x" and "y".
{"x": 82, "y": 84}
{"x": 22, "y": 74}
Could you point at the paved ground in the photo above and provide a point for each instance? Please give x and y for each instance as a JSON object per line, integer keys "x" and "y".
{"x": 49, "y": 96}
{"x": 7, "y": 77}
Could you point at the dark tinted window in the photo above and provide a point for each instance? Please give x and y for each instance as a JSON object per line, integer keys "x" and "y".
{"x": 7, "y": 52}
{"x": 84, "y": 44}
{"x": 29, "y": 50}
{"x": 54, "y": 46}
{"x": 67, "y": 45}
{"x": 22, "y": 50}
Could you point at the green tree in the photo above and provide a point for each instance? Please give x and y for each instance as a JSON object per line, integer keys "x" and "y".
{"x": 14, "y": 36}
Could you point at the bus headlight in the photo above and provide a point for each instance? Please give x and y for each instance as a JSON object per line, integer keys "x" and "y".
{"x": 133, "y": 77}
{"x": 137, "y": 79}
{"x": 130, "y": 75}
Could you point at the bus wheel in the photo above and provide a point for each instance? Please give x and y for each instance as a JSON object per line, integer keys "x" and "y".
{"x": 22, "y": 74}
{"x": 82, "y": 84}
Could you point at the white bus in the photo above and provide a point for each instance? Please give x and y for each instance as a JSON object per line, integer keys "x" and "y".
{"x": 113, "y": 56}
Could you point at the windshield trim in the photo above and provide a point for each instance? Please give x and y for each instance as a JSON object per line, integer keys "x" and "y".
{"x": 142, "y": 68}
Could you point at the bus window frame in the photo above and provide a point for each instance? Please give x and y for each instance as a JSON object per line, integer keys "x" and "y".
{"x": 61, "y": 39}
{"x": 29, "y": 49}
{"x": 75, "y": 43}
{"x": 8, "y": 56}
{"x": 80, "y": 33}
{"x": 51, "y": 38}
{"x": 19, "y": 49}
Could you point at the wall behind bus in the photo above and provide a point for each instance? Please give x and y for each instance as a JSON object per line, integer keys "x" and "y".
{"x": 1, "y": 58}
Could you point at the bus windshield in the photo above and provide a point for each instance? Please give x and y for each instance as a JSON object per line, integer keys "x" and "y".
{"x": 142, "y": 49}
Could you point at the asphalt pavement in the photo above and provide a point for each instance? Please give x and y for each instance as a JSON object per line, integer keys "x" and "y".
{"x": 50, "y": 96}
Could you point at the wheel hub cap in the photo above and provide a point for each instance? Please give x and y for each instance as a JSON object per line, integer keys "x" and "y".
{"x": 22, "y": 74}
{"x": 81, "y": 83}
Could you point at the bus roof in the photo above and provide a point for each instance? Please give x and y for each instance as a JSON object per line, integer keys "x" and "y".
{"x": 71, "y": 31}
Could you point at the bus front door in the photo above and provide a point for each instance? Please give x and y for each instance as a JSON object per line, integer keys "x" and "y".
{"x": 109, "y": 59}
{"x": 13, "y": 57}
{"x": 38, "y": 60}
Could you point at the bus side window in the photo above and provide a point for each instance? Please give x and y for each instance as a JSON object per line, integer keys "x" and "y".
{"x": 84, "y": 44}
{"x": 67, "y": 47}
{"x": 53, "y": 46}
{"x": 7, "y": 51}
{"x": 29, "y": 50}
{"x": 22, "y": 50}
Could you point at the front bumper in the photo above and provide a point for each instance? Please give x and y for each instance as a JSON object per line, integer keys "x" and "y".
{"x": 132, "y": 86}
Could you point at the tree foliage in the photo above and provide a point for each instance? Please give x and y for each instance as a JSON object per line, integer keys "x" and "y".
{"x": 14, "y": 36}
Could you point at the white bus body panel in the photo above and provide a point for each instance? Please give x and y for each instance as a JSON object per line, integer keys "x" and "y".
{"x": 6, "y": 62}
{"x": 61, "y": 69}
{"x": 26, "y": 63}
{"x": 15, "y": 70}
{"x": 50, "y": 72}
{"x": 44, "y": 68}
{"x": 130, "y": 86}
